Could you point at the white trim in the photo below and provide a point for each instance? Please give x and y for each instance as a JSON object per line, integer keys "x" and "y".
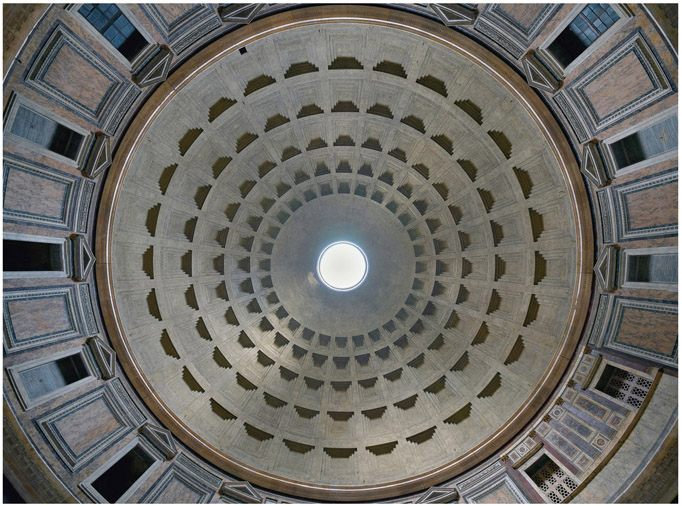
{"x": 624, "y": 16}
{"x": 65, "y": 256}
{"x": 143, "y": 54}
{"x": 92, "y": 493}
{"x": 624, "y": 270}
{"x": 14, "y": 374}
{"x": 13, "y": 104}
{"x": 608, "y": 152}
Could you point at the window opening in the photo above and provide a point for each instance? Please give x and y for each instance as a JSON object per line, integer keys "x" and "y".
{"x": 115, "y": 27}
{"x": 588, "y": 25}
{"x": 646, "y": 143}
{"x": 624, "y": 386}
{"x": 551, "y": 479}
{"x": 652, "y": 268}
{"x": 46, "y": 132}
{"x": 116, "y": 480}
{"x": 46, "y": 378}
{"x": 31, "y": 256}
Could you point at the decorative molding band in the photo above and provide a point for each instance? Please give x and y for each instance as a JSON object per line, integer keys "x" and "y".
{"x": 606, "y": 214}
{"x": 123, "y": 395}
{"x": 212, "y": 480}
{"x": 84, "y": 206}
{"x": 604, "y": 307}
{"x": 86, "y": 308}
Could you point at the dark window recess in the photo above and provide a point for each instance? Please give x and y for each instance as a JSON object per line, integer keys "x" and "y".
{"x": 652, "y": 268}
{"x": 123, "y": 474}
{"x": 31, "y": 256}
{"x": 592, "y": 22}
{"x": 646, "y": 143}
{"x": 624, "y": 386}
{"x": 46, "y": 132}
{"x": 551, "y": 479}
{"x": 110, "y": 22}
{"x": 9, "y": 493}
{"x": 46, "y": 378}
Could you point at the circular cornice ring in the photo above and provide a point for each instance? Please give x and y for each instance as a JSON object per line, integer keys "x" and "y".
{"x": 450, "y": 39}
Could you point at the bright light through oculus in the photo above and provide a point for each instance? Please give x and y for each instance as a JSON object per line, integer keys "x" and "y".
{"x": 342, "y": 266}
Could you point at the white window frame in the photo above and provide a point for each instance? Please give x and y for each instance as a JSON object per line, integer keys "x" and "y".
{"x": 140, "y": 58}
{"x": 624, "y": 16}
{"x": 17, "y": 100}
{"x": 608, "y": 152}
{"x": 14, "y": 374}
{"x": 623, "y": 271}
{"x": 65, "y": 256}
{"x": 93, "y": 494}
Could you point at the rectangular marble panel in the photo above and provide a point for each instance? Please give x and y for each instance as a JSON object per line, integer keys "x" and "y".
{"x": 86, "y": 427}
{"x": 69, "y": 71}
{"x": 633, "y": 69}
{"x": 643, "y": 208}
{"x": 34, "y": 317}
{"x": 38, "y": 195}
{"x": 651, "y": 207}
{"x": 644, "y": 328}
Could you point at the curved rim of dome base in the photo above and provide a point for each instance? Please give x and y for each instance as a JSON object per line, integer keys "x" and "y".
{"x": 450, "y": 39}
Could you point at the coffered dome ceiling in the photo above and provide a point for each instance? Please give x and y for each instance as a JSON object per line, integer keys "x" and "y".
{"x": 425, "y": 151}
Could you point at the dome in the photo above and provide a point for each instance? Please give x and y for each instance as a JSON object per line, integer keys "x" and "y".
{"x": 511, "y": 322}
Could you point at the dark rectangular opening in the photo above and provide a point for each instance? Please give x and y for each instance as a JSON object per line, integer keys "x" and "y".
{"x": 645, "y": 144}
{"x": 587, "y": 26}
{"x": 26, "y": 256}
{"x": 46, "y": 133}
{"x": 116, "y": 480}
{"x": 46, "y": 378}
{"x": 115, "y": 27}
{"x": 652, "y": 268}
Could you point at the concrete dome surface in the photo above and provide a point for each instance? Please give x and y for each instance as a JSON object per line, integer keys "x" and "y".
{"x": 509, "y": 179}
